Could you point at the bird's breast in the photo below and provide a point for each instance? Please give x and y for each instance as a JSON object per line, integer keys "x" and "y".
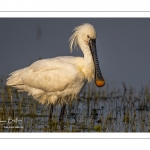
{"x": 87, "y": 72}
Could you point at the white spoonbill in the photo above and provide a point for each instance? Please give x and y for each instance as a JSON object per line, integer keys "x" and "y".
{"x": 61, "y": 79}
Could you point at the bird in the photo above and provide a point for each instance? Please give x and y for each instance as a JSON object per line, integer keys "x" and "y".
{"x": 61, "y": 79}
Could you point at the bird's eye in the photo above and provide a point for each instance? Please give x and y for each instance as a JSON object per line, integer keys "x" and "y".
{"x": 88, "y": 36}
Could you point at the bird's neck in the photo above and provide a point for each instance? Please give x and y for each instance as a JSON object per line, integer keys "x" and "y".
{"x": 88, "y": 62}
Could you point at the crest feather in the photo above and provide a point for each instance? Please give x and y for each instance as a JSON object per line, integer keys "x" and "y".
{"x": 73, "y": 40}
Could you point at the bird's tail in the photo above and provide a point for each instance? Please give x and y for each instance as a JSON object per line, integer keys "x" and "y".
{"x": 15, "y": 77}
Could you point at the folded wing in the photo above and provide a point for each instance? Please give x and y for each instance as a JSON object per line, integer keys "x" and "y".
{"x": 49, "y": 75}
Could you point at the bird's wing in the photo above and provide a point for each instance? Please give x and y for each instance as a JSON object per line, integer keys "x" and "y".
{"x": 50, "y": 75}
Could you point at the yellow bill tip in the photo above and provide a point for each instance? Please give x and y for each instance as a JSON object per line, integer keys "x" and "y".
{"x": 100, "y": 83}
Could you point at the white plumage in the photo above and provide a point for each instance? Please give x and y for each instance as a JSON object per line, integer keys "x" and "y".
{"x": 60, "y": 79}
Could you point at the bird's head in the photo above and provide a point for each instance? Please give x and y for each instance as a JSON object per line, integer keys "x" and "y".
{"x": 82, "y": 34}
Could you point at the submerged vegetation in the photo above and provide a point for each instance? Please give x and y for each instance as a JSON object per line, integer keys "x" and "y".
{"x": 97, "y": 110}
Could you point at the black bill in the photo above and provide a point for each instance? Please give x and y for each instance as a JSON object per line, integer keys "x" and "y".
{"x": 99, "y": 80}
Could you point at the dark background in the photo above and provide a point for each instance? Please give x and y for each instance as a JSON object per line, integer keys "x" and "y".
{"x": 123, "y": 45}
